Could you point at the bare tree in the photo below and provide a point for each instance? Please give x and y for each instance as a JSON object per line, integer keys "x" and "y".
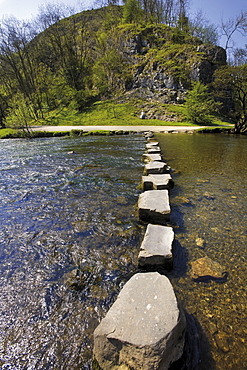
{"x": 233, "y": 25}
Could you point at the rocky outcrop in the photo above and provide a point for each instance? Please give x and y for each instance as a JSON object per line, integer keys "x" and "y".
{"x": 144, "y": 329}
{"x": 160, "y": 79}
{"x": 212, "y": 58}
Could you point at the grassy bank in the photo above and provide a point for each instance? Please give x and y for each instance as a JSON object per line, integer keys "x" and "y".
{"x": 111, "y": 113}
{"x": 120, "y": 113}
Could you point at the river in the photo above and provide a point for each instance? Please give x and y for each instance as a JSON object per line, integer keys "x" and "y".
{"x": 69, "y": 237}
{"x": 209, "y": 204}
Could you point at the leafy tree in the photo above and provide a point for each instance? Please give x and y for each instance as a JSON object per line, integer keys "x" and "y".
{"x": 199, "y": 104}
{"x": 231, "y": 82}
{"x": 132, "y": 12}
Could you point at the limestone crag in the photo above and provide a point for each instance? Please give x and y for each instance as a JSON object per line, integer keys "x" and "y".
{"x": 153, "y": 81}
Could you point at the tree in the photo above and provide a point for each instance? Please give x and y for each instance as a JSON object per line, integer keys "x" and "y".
{"x": 232, "y": 25}
{"x": 132, "y": 12}
{"x": 200, "y": 27}
{"x": 199, "y": 104}
{"x": 240, "y": 56}
{"x": 231, "y": 82}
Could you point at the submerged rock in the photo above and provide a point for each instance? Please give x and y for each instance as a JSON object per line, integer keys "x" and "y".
{"x": 204, "y": 269}
{"x": 144, "y": 329}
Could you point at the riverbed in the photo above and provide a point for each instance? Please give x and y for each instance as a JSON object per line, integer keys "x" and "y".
{"x": 209, "y": 204}
{"x": 70, "y": 235}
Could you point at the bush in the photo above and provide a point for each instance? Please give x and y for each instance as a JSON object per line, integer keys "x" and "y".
{"x": 200, "y": 105}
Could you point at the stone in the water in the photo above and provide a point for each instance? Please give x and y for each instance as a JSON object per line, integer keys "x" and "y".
{"x": 151, "y": 157}
{"x": 157, "y": 182}
{"x": 156, "y": 248}
{"x": 154, "y": 206}
{"x": 204, "y": 269}
{"x": 221, "y": 341}
{"x": 152, "y": 145}
{"x": 154, "y": 150}
{"x": 156, "y": 167}
{"x": 144, "y": 329}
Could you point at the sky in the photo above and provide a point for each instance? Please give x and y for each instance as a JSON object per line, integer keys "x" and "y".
{"x": 214, "y": 10}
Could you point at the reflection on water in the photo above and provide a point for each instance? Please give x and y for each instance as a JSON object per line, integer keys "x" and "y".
{"x": 209, "y": 205}
{"x": 66, "y": 220}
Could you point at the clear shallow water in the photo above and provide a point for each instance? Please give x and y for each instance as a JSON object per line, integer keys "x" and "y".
{"x": 209, "y": 204}
{"x": 74, "y": 214}
{"x": 63, "y": 215}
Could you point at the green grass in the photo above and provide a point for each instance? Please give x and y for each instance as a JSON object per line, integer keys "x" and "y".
{"x": 112, "y": 113}
{"x": 6, "y": 133}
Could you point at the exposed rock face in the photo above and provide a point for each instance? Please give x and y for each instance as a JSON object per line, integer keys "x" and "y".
{"x": 213, "y": 57}
{"x": 154, "y": 81}
{"x": 144, "y": 329}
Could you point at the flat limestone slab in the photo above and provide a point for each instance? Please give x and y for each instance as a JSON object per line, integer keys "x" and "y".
{"x": 157, "y": 182}
{"x": 144, "y": 329}
{"x": 151, "y": 157}
{"x": 154, "y": 207}
{"x": 155, "y": 150}
{"x": 156, "y": 248}
{"x": 156, "y": 167}
{"x": 152, "y": 144}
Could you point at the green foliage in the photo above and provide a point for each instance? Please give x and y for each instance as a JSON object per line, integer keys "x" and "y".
{"x": 231, "y": 83}
{"x": 132, "y": 12}
{"x": 57, "y": 76}
{"x": 200, "y": 105}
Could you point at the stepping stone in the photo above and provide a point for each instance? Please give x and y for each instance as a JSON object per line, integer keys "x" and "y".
{"x": 156, "y": 167}
{"x": 144, "y": 328}
{"x": 156, "y": 248}
{"x": 154, "y": 206}
{"x": 152, "y": 144}
{"x": 157, "y": 182}
{"x": 155, "y": 150}
{"x": 151, "y": 157}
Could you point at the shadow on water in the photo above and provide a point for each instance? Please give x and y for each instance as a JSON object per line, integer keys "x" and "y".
{"x": 197, "y": 354}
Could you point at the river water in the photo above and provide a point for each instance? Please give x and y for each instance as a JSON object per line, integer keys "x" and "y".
{"x": 69, "y": 240}
{"x": 209, "y": 204}
{"x": 64, "y": 213}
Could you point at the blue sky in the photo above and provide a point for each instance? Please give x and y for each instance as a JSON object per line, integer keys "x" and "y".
{"x": 214, "y": 10}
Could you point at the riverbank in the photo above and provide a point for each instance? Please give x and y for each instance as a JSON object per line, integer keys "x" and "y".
{"x": 137, "y": 128}
{"x": 53, "y": 131}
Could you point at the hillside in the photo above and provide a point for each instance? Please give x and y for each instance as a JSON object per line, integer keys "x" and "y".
{"x": 93, "y": 56}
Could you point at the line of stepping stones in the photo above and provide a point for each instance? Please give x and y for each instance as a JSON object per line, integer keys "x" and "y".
{"x": 145, "y": 328}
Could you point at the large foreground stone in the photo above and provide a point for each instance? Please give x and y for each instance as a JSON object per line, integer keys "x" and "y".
{"x": 144, "y": 329}
{"x": 156, "y": 167}
{"x": 156, "y": 248}
{"x": 157, "y": 182}
{"x": 154, "y": 207}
